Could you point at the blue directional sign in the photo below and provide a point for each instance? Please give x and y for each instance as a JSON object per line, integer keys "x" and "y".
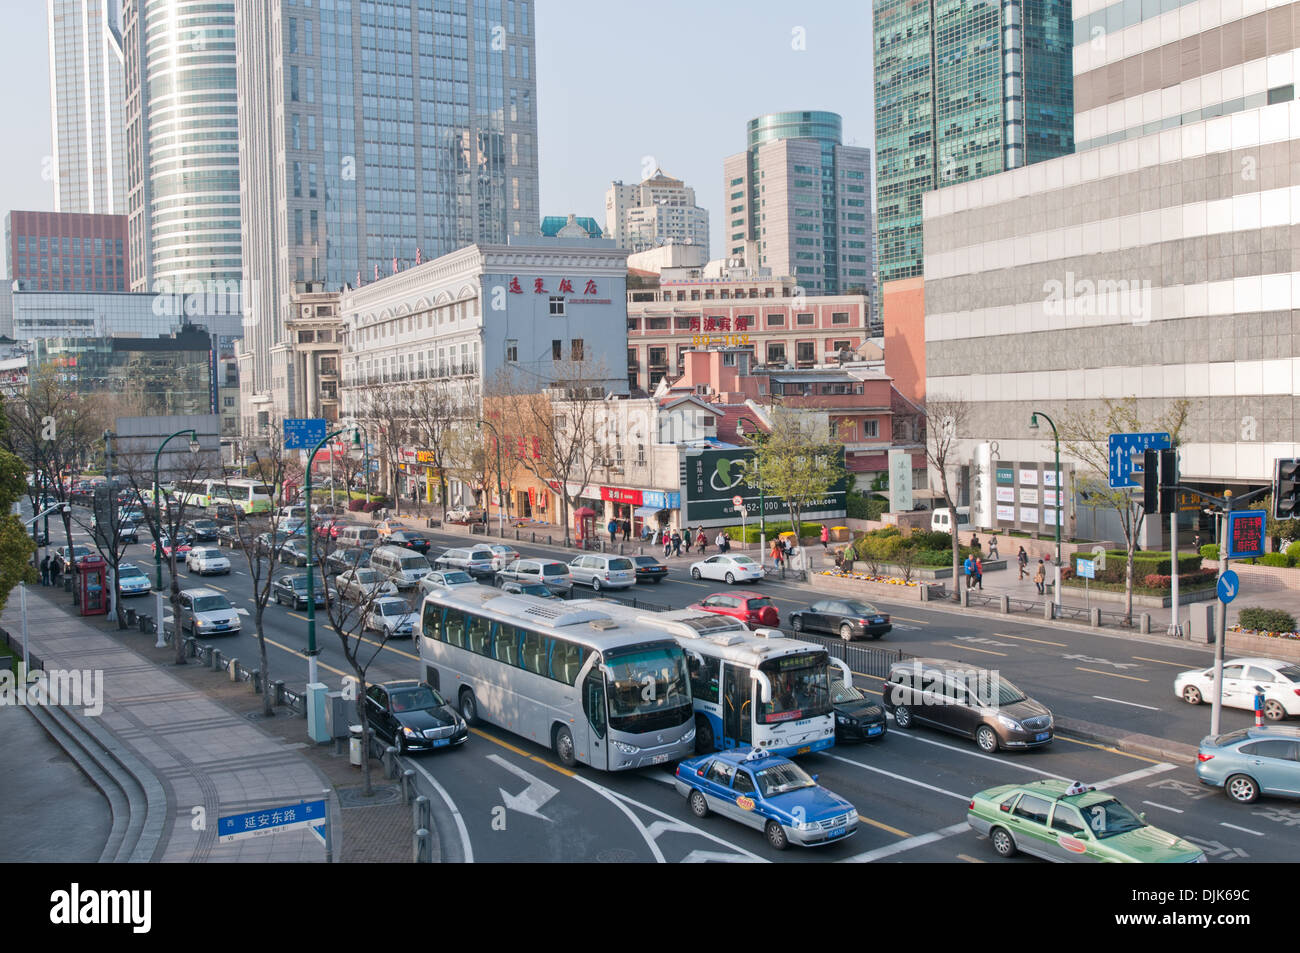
{"x": 1228, "y": 586}
{"x": 1123, "y": 448}
{"x": 303, "y": 433}
{"x": 271, "y": 820}
{"x": 1087, "y": 569}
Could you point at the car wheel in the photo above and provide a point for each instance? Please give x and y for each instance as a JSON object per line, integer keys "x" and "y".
{"x": 731, "y": 579}
{"x": 1004, "y": 845}
{"x": 564, "y": 747}
{"x": 595, "y": 584}
{"x": 469, "y": 706}
{"x": 776, "y": 835}
{"x": 987, "y": 739}
{"x": 1192, "y": 695}
{"x": 399, "y": 742}
{"x": 846, "y": 632}
{"x": 903, "y": 716}
{"x": 1273, "y": 710}
{"x": 695, "y": 573}
{"x": 703, "y": 735}
{"x": 699, "y": 804}
{"x": 796, "y": 623}
{"x": 1241, "y": 788}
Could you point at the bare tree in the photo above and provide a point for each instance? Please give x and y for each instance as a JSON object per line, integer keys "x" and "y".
{"x": 438, "y": 410}
{"x": 944, "y": 418}
{"x": 388, "y": 412}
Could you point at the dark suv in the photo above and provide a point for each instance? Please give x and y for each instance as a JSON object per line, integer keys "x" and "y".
{"x": 974, "y": 702}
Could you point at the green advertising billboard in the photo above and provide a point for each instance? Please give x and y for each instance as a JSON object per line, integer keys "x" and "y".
{"x": 713, "y": 477}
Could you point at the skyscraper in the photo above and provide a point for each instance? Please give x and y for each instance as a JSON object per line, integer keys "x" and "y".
{"x": 182, "y": 143}
{"x": 963, "y": 90}
{"x": 86, "y": 95}
{"x": 374, "y": 133}
{"x": 800, "y": 201}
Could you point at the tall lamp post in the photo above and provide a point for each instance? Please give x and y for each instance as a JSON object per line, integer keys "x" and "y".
{"x": 762, "y": 508}
{"x": 1056, "y": 442}
{"x": 501, "y": 530}
{"x": 311, "y": 568}
{"x": 157, "y": 517}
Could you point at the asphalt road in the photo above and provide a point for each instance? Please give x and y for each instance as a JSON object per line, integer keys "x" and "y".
{"x": 501, "y": 798}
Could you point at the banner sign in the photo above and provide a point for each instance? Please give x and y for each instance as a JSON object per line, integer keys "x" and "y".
{"x": 713, "y": 477}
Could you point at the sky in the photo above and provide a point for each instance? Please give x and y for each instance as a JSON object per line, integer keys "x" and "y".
{"x": 623, "y": 88}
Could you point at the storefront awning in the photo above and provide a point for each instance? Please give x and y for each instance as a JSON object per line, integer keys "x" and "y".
{"x": 644, "y": 511}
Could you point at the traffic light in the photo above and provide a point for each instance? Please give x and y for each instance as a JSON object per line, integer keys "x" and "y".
{"x": 1286, "y": 489}
{"x": 1159, "y": 481}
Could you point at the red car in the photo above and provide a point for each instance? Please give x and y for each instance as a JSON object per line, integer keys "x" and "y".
{"x": 754, "y": 610}
{"x": 328, "y": 529}
{"x": 182, "y": 547}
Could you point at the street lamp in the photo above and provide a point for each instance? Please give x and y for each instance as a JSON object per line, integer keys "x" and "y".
{"x": 311, "y": 569}
{"x": 1056, "y": 441}
{"x": 157, "y": 542}
{"x": 500, "y": 493}
{"x": 762, "y": 508}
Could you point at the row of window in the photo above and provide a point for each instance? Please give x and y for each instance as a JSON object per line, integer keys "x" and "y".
{"x": 513, "y": 645}
{"x": 744, "y": 320}
{"x": 805, "y": 351}
{"x": 70, "y": 245}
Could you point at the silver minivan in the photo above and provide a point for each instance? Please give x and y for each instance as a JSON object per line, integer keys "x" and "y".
{"x": 603, "y": 572}
{"x": 399, "y": 565}
{"x": 358, "y": 535}
{"x": 477, "y": 560}
{"x": 551, "y": 573}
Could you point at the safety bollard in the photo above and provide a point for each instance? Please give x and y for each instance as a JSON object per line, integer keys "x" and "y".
{"x": 422, "y": 846}
{"x": 390, "y": 762}
{"x": 1144, "y": 623}
{"x": 233, "y": 668}
{"x": 216, "y": 661}
{"x": 1094, "y": 617}
{"x": 965, "y": 598}
{"x": 1004, "y": 603}
{"x": 422, "y": 812}
{"x": 408, "y": 784}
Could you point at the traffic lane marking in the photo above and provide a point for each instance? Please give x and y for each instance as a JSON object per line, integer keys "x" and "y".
{"x": 1025, "y": 638}
{"x": 1159, "y": 661}
{"x": 1246, "y": 830}
{"x": 1164, "y": 807}
{"x": 978, "y": 754}
{"x": 899, "y": 777}
{"x": 1107, "y": 748}
{"x": 1120, "y": 701}
{"x": 972, "y": 648}
{"x": 303, "y": 655}
{"x": 1096, "y": 671}
{"x": 883, "y": 826}
{"x": 1137, "y": 775}
{"x": 970, "y": 860}
{"x": 466, "y": 847}
{"x": 910, "y": 844}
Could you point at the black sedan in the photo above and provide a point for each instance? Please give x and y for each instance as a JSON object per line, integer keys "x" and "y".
{"x": 649, "y": 569}
{"x": 857, "y": 718}
{"x": 847, "y": 618}
{"x": 292, "y": 591}
{"x": 412, "y": 716}
{"x": 202, "y": 531}
{"x": 294, "y": 552}
{"x": 408, "y": 540}
{"x": 350, "y": 557}
{"x": 230, "y": 535}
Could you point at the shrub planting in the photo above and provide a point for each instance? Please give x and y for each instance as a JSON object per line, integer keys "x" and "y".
{"x": 1266, "y": 620}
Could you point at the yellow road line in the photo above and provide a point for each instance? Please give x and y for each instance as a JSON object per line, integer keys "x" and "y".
{"x": 973, "y": 649}
{"x": 1160, "y": 661}
{"x": 1107, "y": 748}
{"x": 1131, "y": 678}
{"x": 293, "y": 651}
{"x": 969, "y": 859}
{"x": 522, "y": 753}
{"x": 883, "y": 826}
{"x": 1025, "y": 638}
{"x": 904, "y": 618}
{"x": 296, "y": 616}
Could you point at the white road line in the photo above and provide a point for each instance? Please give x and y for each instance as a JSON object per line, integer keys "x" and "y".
{"x": 467, "y": 848}
{"x": 912, "y": 842}
{"x": 1137, "y": 775}
{"x": 1163, "y": 807}
{"x": 1246, "y": 830}
{"x": 979, "y": 754}
{"x": 1120, "y": 701}
{"x": 899, "y": 777}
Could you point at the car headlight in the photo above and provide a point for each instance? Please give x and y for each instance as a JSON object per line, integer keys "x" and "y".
{"x": 1010, "y": 723}
{"x": 804, "y": 825}
{"x": 626, "y": 748}
{"x": 202, "y": 622}
{"x": 410, "y": 733}
{"x": 841, "y": 720}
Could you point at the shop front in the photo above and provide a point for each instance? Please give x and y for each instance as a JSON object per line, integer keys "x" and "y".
{"x": 638, "y": 509}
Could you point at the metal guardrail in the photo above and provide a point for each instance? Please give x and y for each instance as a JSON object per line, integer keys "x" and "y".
{"x": 1024, "y": 605}
{"x": 634, "y": 602}
{"x": 861, "y": 659}
{"x": 1071, "y": 612}
{"x": 978, "y": 597}
{"x": 1119, "y": 619}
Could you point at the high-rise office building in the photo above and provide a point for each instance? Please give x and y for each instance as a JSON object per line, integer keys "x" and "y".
{"x": 182, "y": 143}
{"x": 87, "y": 75}
{"x": 799, "y": 201}
{"x": 62, "y": 251}
{"x": 962, "y": 91}
{"x": 660, "y": 210}
{"x": 375, "y": 135}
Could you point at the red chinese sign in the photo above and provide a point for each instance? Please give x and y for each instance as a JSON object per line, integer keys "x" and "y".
{"x": 616, "y": 495}
{"x": 539, "y": 286}
{"x": 720, "y": 323}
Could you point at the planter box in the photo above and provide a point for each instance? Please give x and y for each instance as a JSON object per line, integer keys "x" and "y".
{"x": 1252, "y": 644}
{"x": 1185, "y": 596}
{"x": 927, "y": 572}
{"x": 862, "y": 588}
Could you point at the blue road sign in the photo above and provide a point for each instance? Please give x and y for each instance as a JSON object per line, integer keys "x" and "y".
{"x": 1123, "y": 448}
{"x": 1228, "y": 586}
{"x": 303, "y": 433}
{"x": 1087, "y": 569}
{"x": 270, "y": 820}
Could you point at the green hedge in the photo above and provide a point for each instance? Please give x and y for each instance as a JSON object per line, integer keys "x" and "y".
{"x": 1144, "y": 564}
{"x": 864, "y": 506}
{"x": 1210, "y": 551}
{"x": 750, "y": 533}
{"x": 1293, "y": 551}
{"x": 1281, "y": 560}
{"x": 1266, "y": 620}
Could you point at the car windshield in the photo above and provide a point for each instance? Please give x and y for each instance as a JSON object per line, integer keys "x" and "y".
{"x": 862, "y": 608}
{"x": 203, "y": 524}
{"x": 1108, "y": 818}
{"x": 762, "y": 602}
{"x": 646, "y": 561}
{"x": 211, "y": 603}
{"x": 800, "y": 687}
{"x": 648, "y": 688}
{"x": 480, "y": 554}
{"x": 993, "y": 690}
{"x": 414, "y": 561}
{"x": 535, "y": 589}
{"x": 393, "y": 608}
{"x": 367, "y": 576}
{"x": 300, "y": 582}
{"x": 843, "y": 694}
{"x": 456, "y": 578}
{"x": 555, "y": 569}
{"x": 416, "y": 699}
{"x": 783, "y": 778}
{"x": 131, "y": 572}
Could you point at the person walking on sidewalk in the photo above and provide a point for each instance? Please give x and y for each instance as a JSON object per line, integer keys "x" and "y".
{"x": 45, "y": 570}
{"x": 1040, "y": 577}
{"x": 701, "y": 541}
{"x": 677, "y": 543}
{"x": 968, "y": 567}
{"x": 721, "y": 541}
{"x": 668, "y": 542}
{"x": 979, "y": 574}
{"x": 1022, "y": 560}
{"x": 627, "y": 531}
{"x": 975, "y": 541}
{"x": 826, "y": 537}
{"x": 778, "y": 553}
{"x": 993, "y": 547}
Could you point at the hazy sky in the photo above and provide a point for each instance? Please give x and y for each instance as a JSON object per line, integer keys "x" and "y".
{"x": 621, "y": 87}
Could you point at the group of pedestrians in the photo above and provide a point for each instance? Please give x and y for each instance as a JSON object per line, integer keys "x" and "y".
{"x": 614, "y": 527}
{"x": 49, "y": 571}
{"x": 675, "y": 541}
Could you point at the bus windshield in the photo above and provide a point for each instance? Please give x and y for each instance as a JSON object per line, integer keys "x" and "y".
{"x": 800, "y": 687}
{"x": 647, "y": 688}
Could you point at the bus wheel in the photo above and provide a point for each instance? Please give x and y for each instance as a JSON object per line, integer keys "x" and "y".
{"x": 703, "y": 735}
{"x": 468, "y": 706}
{"x": 776, "y": 835}
{"x": 564, "y": 747}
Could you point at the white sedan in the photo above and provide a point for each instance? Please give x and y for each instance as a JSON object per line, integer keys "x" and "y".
{"x": 502, "y": 556}
{"x": 727, "y": 568}
{"x": 1280, "y": 682}
{"x": 206, "y": 559}
{"x": 390, "y": 616}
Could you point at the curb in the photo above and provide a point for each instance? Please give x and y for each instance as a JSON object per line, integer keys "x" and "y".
{"x": 1133, "y": 743}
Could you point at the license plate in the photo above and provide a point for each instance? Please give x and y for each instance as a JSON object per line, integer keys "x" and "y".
{"x": 1042, "y": 736}
{"x": 836, "y": 832}
{"x": 804, "y": 750}
{"x": 659, "y": 759}
{"x": 873, "y": 730}
{"x": 440, "y": 742}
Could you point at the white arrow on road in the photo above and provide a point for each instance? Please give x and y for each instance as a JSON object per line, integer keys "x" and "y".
{"x": 715, "y": 857}
{"x": 1100, "y": 661}
{"x": 532, "y": 798}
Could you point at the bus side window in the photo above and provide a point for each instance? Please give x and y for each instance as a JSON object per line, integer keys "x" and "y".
{"x": 477, "y": 627}
{"x": 533, "y": 657}
{"x": 506, "y": 643}
{"x": 433, "y": 622}
{"x": 454, "y": 628}
{"x": 704, "y": 678}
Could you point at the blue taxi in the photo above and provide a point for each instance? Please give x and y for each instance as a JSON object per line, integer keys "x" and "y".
{"x": 768, "y": 793}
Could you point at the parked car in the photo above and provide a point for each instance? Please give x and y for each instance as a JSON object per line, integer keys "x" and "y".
{"x": 972, "y": 702}
{"x": 528, "y": 589}
{"x": 266, "y": 542}
{"x": 1279, "y": 680}
{"x": 768, "y": 793}
{"x": 358, "y": 585}
{"x": 202, "y": 530}
{"x": 207, "y": 560}
{"x": 551, "y": 573}
{"x": 603, "y": 572}
{"x": 390, "y": 616}
{"x": 1060, "y": 821}
{"x": 207, "y": 612}
{"x": 756, "y": 611}
{"x": 358, "y": 534}
{"x": 224, "y": 513}
{"x": 412, "y": 716}
{"x": 848, "y": 618}
{"x": 132, "y": 580}
{"x": 1251, "y": 762}
{"x": 342, "y": 560}
{"x": 730, "y": 569}
{"x": 464, "y": 514}
{"x": 502, "y": 556}
{"x": 857, "y": 717}
{"x": 446, "y": 579}
{"x": 328, "y": 528}
{"x": 649, "y": 569}
{"x": 230, "y": 535}
{"x": 476, "y": 560}
{"x": 292, "y": 591}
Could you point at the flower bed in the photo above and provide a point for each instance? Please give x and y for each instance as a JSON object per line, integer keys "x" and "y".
{"x": 1280, "y": 645}
{"x": 867, "y": 577}
{"x": 1293, "y": 636}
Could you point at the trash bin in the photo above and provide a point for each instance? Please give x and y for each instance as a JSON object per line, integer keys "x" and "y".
{"x": 354, "y": 745}
{"x": 130, "y": 617}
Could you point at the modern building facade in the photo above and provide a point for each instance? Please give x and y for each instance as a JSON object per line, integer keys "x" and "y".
{"x": 54, "y": 314}
{"x": 1159, "y": 266}
{"x": 87, "y": 96}
{"x": 375, "y": 137}
{"x": 182, "y": 144}
{"x": 962, "y": 91}
{"x": 64, "y": 251}
{"x": 570, "y": 226}
{"x": 660, "y": 210}
{"x": 800, "y": 200}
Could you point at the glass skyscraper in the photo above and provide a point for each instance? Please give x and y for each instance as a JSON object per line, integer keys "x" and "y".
{"x": 963, "y": 90}
{"x": 375, "y": 131}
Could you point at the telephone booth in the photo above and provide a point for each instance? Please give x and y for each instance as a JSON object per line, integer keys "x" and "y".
{"x": 92, "y": 586}
{"x": 584, "y": 525}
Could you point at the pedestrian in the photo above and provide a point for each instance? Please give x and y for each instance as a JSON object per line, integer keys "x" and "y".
{"x": 721, "y": 541}
{"x": 668, "y": 543}
{"x": 677, "y": 543}
{"x": 979, "y": 574}
{"x": 1196, "y": 543}
{"x": 826, "y": 537}
{"x": 612, "y": 528}
{"x": 1040, "y": 577}
{"x": 687, "y": 538}
{"x": 45, "y": 570}
{"x": 968, "y": 567}
{"x": 789, "y": 550}
{"x": 778, "y": 553}
{"x": 55, "y": 572}
{"x": 974, "y": 541}
{"x": 627, "y": 531}
{"x": 701, "y": 540}
{"x": 1022, "y": 560}
{"x": 993, "y": 547}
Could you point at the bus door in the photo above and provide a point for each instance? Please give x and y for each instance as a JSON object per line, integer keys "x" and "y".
{"x": 597, "y": 728}
{"x": 737, "y": 712}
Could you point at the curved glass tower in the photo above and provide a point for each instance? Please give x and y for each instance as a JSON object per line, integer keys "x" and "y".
{"x": 795, "y": 125}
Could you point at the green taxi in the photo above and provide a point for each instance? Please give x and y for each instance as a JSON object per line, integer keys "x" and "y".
{"x": 1059, "y": 821}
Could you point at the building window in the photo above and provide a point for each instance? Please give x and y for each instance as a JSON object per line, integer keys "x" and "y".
{"x": 631, "y": 357}
{"x": 839, "y": 317}
{"x": 557, "y": 350}
{"x": 557, "y": 306}
{"x": 776, "y": 320}
{"x": 806, "y": 352}
{"x": 512, "y": 351}
{"x": 656, "y": 324}
{"x": 776, "y": 352}
{"x": 576, "y": 349}
{"x": 870, "y": 429}
{"x": 805, "y": 320}
{"x": 841, "y": 346}
{"x": 658, "y": 357}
